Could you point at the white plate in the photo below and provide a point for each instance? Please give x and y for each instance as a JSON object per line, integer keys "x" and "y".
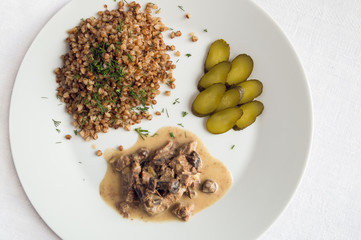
{"x": 267, "y": 162}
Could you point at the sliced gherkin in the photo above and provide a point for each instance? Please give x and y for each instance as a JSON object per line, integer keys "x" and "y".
{"x": 222, "y": 121}
{"x": 242, "y": 67}
{"x": 251, "y": 111}
{"x": 251, "y": 89}
{"x": 207, "y": 100}
{"x": 218, "y": 52}
{"x": 230, "y": 98}
{"x": 217, "y": 74}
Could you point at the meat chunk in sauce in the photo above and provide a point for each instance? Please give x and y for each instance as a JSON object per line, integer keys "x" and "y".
{"x": 183, "y": 212}
{"x": 158, "y": 179}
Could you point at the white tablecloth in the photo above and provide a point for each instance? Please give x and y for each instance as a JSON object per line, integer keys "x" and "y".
{"x": 327, "y": 37}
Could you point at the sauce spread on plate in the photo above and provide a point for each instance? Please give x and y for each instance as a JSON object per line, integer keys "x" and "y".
{"x": 111, "y": 186}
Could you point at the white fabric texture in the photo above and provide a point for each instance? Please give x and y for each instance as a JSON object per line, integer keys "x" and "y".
{"x": 327, "y": 37}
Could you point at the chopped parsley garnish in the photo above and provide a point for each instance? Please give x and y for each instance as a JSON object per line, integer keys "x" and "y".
{"x": 184, "y": 114}
{"x": 56, "y": 123}
{"x": 181, "y": 8}
{"x": 76, "y": 132}
{"x": 142, "y": 109}
{"x": 142, "y": 132}
{"x": 77, "y": 77}
{"x": 130, "y": 57}
{"x": 205, "y": 30}
{"x": 176, "y": 101}
{"x": 171, "y": 135}
{"x": 188, "y": 55}
{"x": 233, "y": 146}
{"x": 180, "y": 124}
{"x": 119, "y": 29}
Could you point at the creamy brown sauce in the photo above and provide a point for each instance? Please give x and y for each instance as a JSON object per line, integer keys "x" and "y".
{"x": 212, "y": 168}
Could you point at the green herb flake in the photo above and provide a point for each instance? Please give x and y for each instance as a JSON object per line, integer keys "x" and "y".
{"x": 75, "y": 132}
{"x": 57, "y": 142}
{"x": 205, "y": 30}
{"x": 188, "y": 55}
{"x": 171, "y": 135}
{"x": 155, "y": 134}
{"x": 142, "y": 109}
{"x": 142, "y": 132}
{"x": 56, "y": 123}
{"x": 176, "y": 101}
{"x": 119, "y": 29}
{"x": 181, "y": 8}
{"x": 77, "y": 77}
{"x": 185, "y": 134}
{"x": 166, "y": 111}
{"x": 82, "y": 19}
{"x": 58, "y": 130}
{"x": 184, "y": 114}
{"x": 130, "y": 57}
{"x": 158, "y": 11}
{"x": 180, "y": 124}
{"x": 233, "y": 146}
{"x": 177, "y": 61}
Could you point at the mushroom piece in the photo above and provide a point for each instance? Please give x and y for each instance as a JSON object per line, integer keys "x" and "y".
{"x": 209, "y": 186}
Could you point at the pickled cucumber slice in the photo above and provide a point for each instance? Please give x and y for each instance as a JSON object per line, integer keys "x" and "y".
{"x": 230, "y": 98}
{"x": 217, "y": 74}
{"x": 207, "y": 100}
{"x": 242, "y": 67}
{"x": 222, "y": 121}
{"x": 218, "y": 52}
{"x": 251, "y": 111}
{"x": 251, "y": 89}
